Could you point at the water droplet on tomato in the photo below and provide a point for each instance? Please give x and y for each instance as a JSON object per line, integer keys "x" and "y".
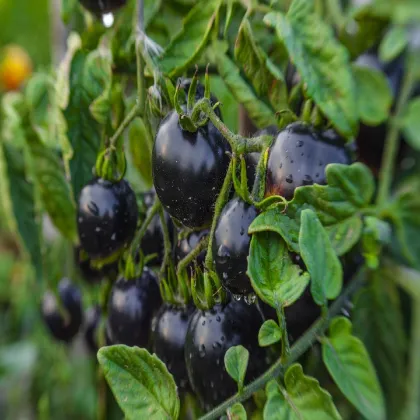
{"x": 289, "y": 178}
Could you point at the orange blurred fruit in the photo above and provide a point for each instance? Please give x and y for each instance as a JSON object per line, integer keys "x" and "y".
{"x": 15, "y": 67}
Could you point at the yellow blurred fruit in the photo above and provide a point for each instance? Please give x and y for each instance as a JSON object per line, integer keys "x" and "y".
{"x": 15, "y": 67}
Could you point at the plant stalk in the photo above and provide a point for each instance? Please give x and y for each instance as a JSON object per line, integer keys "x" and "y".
{"x": 126, "y": 122}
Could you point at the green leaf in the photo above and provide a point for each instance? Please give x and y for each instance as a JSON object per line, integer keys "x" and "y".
{"x": 274, "y": 277}
{"x": 376, "y": 233}
{"x": 348, "y": 362}
{"x": 18, "y": 199}
{"x": 274, "y": 220}
{"x": 13, "y": 106}
{"x": 236, "y": 363}
{"x": 350, "y": 188}
{"x": 393, "y": 43}
{"x": 374, "y": 95}
{"x": 266, "y": 78}
{"x": 320, "y": 259}
{"x": 55, "y": 190}
{"x": 236, "y": 412}
{"x": 302, "y": 399}
{"x": 345, "y": 235}
{"x": 269, "y": 333}
{"x": 410, "y": 123}
{"x": 141, "y": 383}
{"x": 261, "y": 114}
{"x": 378, "y": 322}
{"x": 90, "y": 77}
{"x": 403, "y": 212}
{"x": 324, "y": 65}
{"x": 185, "y": 48}
{"x": 140, "y": 143}
{"x": 407, "y": 278}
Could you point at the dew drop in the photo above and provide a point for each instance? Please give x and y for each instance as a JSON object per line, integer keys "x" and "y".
{"x": 218, "y": 319}
{"x": 223, "y": 254}
{"x": 299, "y": 143}
{"x": 242, "y": 231}
{"x": 225, "y": 276}
{"x": 237, "y": 297}
{"x": 307, "y": 180}
{"x": 289, "y": 178}
{"x": 97, "y": 229}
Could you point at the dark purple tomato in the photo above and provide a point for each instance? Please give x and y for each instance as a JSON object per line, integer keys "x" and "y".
{"x": 187, "y": 244}
{"x": 189, "y": 170}
{"x": 107, "y": 217}
{"x": 169, "y": 329}
{"x": 101, "y": 7}
{"x": 299, "y": 156}
{"x": 63, "y": 326}
{"x": 210, "y": 334}
{"x": 131, "y": 306}
{"x": 92, "y": 318}
{"x": 231, "y": 246}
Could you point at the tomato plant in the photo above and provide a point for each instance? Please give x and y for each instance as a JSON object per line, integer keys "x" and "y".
{"x": 234, "y": 193}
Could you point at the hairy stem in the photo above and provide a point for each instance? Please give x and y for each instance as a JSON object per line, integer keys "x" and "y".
{"x": 201, "y": 246}
{"x": 140, "y": 233}
{"x": 127, "y": 121}
{"x": 297, "y": 350}
{"x": 392, "y": 141}
{"x": 239, "y": 144}
{"x": 413, "y": 382}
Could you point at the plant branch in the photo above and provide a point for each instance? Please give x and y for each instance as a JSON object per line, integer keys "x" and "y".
{"x": 188, "y": 259}
{"x": 297, "y": 350}
{"x": 167, "y": 261}
{"x": 392, "y": 141}
{"x": 127, "y": 121}
{"x": 139, "y": 235}
{"x": 239, "y": 144}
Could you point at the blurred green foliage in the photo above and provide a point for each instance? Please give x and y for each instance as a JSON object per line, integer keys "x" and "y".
{"x": 26, "y": 22}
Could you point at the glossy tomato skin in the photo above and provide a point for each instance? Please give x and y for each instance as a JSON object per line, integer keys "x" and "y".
{"x": 152, "y": 241}
{"x": 101, "y": 7}
{"x": 189, "y": 170}
{"x": 210, "y": 334}
{"x": 63, "y": 328}
{"x": 92, "y": 319}
{"x": 299, "y": 156}
{"x": 187, "y": 244}
{"x": 169, "y": 329}
{"x": 131, "y": 306}
{"x": 231, "y": 246}
{"x": 107, "y": 217}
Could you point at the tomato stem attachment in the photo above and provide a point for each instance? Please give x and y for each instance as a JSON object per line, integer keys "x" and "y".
{"x": 188, "y": 259}
{"x": 297, "y": 350}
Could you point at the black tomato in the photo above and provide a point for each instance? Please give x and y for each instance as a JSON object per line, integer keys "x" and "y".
{"x": 63, "y": 326}
{"x": 371, "y": 139}
{"x": 189, "y": 170}
{"x": 152, "y": 241}
{"x": 92, "y": 318}
{"x": 231, "y": 246}
{"x": 187, "y": 244}
{"x": 107, "y": 217}
{"x": 131, "y": 306}
{"x": 210, "y": 334}
{"x": 299, "y": 156}
{"x": 169, "y": 329}
{"x": 101, "y": 7}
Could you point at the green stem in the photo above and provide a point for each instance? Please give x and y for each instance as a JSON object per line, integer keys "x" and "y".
{"x": 297, "y": 350}
{"x": 140, "y": 64}
{"x": 240, "y": 145}
{"x": 220, "y": 203}
{"x": 167, "y": 260}
{"x": 285, "y": 346}
{"x": 127, "y": 121}
{"x": 392, "y": 141}
{"x": 140, "y": 233}
{"x": 188, "y": 259}
{"x": 413, "y": 383}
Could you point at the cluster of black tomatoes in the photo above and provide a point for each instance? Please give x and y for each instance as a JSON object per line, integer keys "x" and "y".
{"x": 188, "y": 172}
